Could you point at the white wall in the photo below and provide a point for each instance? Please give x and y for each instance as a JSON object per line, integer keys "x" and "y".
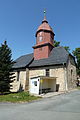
{"x": 32, "y": 88}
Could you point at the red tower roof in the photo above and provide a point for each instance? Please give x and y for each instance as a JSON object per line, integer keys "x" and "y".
{"x": 44, "y": 26}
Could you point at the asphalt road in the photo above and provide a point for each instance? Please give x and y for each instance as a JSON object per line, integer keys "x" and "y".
{"x": 62, "y": 107}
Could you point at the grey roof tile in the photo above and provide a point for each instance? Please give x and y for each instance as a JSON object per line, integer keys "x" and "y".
{"x": 57, "y": 56}
{"x": 23, "y": 61}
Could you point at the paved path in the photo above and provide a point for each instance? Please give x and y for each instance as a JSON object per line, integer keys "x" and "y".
{"x": 61, "y": 107}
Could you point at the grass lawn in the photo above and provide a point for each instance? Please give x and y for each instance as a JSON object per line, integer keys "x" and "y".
{"x": 17, "y": 97}
{"x": 78, "y": 87}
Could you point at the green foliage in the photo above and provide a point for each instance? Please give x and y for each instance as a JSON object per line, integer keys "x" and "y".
{"x": 67, "y": 48}
{"x": 56, "y": 44}
{"x": 78, "y": 87}
{"x": 17, "y": 97}
{"x": 76, "y": 53}
{"x": 6, "y": 64}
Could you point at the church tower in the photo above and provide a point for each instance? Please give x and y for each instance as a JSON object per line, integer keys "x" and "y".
{"x": 44, "y": 40}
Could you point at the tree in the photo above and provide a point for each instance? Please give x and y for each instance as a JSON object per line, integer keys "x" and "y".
{"x": 57, "y": 44}
{"x": 67, "y": 48}
{"x": 6, "y": 63}
{"x": 76, "y": 53}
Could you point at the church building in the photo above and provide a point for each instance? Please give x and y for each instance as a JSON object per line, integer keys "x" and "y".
{"x": 48, "y": 68}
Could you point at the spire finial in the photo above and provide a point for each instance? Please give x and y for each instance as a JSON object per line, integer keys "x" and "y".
{"x": 44, "y": 12}
{"x": 44, "y": 20}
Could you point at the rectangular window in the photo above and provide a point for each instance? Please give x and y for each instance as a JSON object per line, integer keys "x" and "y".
{"x": 18, "y": 74}
{"x": 47, "y": 72}
{"x": 35, "y": 83}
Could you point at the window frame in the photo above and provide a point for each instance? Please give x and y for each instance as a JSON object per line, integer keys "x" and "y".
{"x": 35, "y": 83}
{"x": 47, "y": 72}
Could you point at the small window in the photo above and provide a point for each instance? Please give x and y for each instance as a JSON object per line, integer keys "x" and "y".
{"x": 47, "y": 72}
{"x": 40, "y": 38}
{"x": 18, "y": 74}
{"x": 35, "y": 83}
{"x": 40, "y": 33}
{"x": 71, "y": 75}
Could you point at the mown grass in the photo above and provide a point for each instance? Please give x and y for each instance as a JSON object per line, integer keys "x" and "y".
{"x": 18, "y": 97}
{"x": 78, "y": 87}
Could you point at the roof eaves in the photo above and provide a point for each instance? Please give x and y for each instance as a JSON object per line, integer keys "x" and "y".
{"x": 64, "y": 63}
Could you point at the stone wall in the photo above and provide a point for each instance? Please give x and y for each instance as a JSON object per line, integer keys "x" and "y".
{"x": 15, "y": 85}
{"x": 71, "y": 74}
{"x": 22, "y": 83}
{"x": 27, "y": 80}
{"x": 57, "y": 72}
{"x": 65, "y": 76}
{"x": 36, "y": 73}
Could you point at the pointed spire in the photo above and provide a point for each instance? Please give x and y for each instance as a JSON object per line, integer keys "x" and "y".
{"x": 44, "y": 20}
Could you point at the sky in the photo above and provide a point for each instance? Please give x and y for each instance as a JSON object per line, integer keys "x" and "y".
{"x": 19, "y": 20}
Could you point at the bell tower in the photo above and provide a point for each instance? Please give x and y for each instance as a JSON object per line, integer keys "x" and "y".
{"x": 44, "y": 40}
